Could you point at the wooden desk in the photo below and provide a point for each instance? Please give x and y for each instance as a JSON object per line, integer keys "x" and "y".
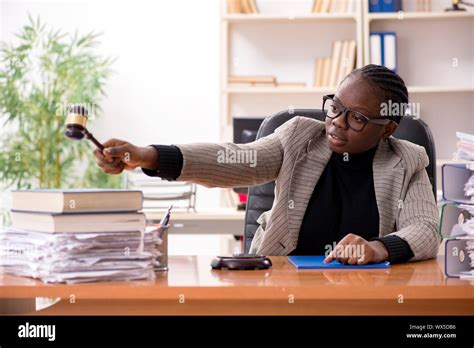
{"x": 191, "y": 287}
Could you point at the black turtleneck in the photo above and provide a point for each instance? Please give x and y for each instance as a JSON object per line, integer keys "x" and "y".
{"x": 344, "y": 202}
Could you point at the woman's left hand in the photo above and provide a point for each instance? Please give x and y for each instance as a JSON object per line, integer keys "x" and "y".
{"x": 355, "y": 250}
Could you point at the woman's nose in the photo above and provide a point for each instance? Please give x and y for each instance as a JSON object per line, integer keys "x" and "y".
{"x": 340, "y": 121}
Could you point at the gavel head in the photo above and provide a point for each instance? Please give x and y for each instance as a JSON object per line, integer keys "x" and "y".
{"x": 76, "y": 122}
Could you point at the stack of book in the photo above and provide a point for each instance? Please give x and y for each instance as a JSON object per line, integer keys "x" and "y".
{"x": 77, "y": 236}
{"x": 330, "y": 71}
{"x": 335, "y": 6}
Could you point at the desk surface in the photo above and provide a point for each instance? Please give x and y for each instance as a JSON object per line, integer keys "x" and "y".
{"x": 192, "y": 287}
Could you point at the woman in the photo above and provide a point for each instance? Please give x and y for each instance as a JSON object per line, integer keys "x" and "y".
{"x": 344, "y": 187}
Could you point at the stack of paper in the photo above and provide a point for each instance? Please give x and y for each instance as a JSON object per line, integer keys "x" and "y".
{"x": 79, "y": 257}
{"x": 465, "y": 146}
{"x": 469, "y": 188}
{"x": 470, "y": 251}
{"x": 78, "y": 247}
{"x": 466, "y": 227}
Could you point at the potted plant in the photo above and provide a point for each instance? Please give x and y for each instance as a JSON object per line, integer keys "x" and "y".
{"x": 40, "y": 76}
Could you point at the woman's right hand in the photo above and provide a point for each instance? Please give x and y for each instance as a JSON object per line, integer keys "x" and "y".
{"x": 119, "y": 155}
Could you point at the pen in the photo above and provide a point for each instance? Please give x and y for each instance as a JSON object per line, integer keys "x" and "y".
{"x": 164, "y": 221}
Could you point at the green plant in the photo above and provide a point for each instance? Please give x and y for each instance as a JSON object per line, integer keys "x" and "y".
{"x": 40, "y": 76}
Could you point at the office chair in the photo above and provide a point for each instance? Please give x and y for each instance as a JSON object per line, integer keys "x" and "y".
{"x": 260, "y": 198}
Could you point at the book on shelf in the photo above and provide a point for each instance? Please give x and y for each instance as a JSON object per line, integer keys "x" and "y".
{"x": 350, "y": 59}
{"x": 233, "y": 6}
{"x": 335, "y": 6}
{"x": 385, "y": 5}
{"x": 249, "y": 81}
{"x": 318, "y": 69}
{"x": 343, "y": 62}
{"x": 330, "y": 71}
{"x": 383, "y": 49}
{"x": 291, "y": 84}
{"x": 335, "y": 62}
{"x": 253, "y": 6}
{"x": 76, "y": 201}
{"x": 423, "y": 5}
{"x": 326, "y": 70}
{"x": 347, "y": 59}
{"x": 251, "y": 84}
{"x": 241, "y": 6}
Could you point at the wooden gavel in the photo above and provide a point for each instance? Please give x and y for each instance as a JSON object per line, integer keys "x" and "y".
{"x": 76, "y": 125}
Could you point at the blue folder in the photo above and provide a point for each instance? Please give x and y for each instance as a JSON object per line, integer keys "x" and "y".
{"x": 391, "y": 5}
{"x": 317, "y": 262}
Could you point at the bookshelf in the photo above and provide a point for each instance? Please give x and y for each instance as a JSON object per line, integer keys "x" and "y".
{"x": 426, "y": 56}
{"x": 426, "y": 52}
{"x": 249, "y": 33}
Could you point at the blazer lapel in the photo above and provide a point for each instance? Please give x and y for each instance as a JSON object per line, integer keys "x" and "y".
{"x": 388, "y": 184}
{"x": 310, "y": 163}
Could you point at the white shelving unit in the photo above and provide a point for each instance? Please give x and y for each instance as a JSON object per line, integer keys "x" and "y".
{"x": 435, "y": 56}
{"x": 266, "y": 37}
{"x": 435, "y": 53}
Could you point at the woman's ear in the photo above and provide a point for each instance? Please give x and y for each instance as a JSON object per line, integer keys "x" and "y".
{"x": 389, "y": 129}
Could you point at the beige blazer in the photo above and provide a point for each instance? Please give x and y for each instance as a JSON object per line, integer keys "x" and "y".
{"x": 295, "y": 155}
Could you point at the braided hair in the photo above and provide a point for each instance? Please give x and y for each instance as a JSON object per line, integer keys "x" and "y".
{"x": 391, "y": 86}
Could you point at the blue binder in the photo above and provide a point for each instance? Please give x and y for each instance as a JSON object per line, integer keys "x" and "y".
{"x": 317, "y": 262}
{"x": 391, "y": 5}
{"x": 375, "y": 6}
{"x": 388, "y": 52}
{"x": 385, "y": 6}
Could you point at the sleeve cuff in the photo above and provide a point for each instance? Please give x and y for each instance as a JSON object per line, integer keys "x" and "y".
{"x": 398, "y": 249}
{"x": 170, "y": 162}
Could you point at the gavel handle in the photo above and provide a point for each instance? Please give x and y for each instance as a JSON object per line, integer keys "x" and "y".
{"x": 94, "y": 140}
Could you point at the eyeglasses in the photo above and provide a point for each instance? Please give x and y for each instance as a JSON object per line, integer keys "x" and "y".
{"x": 356, "y": 121}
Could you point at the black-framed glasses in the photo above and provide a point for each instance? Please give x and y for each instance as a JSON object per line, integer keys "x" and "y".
{"x": 356, "y": 121}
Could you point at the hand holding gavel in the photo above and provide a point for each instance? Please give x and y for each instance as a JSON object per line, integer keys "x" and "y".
{"x": 119, "y": 155}
{"x": 114, "y": 155}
